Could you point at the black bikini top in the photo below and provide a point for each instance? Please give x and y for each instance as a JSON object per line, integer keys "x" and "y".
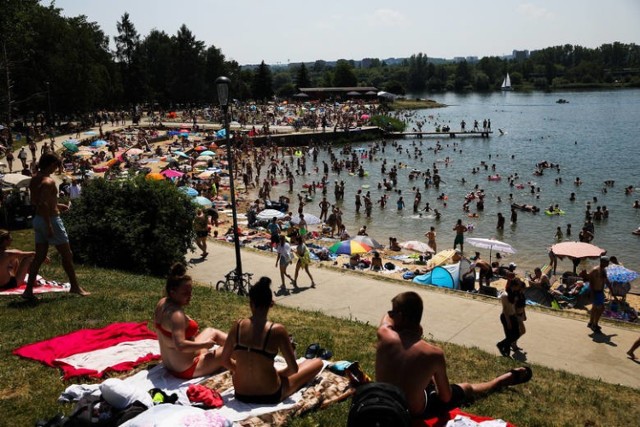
{"x": 263, "y": 351}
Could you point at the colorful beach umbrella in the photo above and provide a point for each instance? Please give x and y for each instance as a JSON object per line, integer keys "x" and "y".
{"x": 189, "y": 191}
{"x": 99, "y": 143}
{"x": 207, "y": 153}
{"x": 441, "y": 258}
{"x": 203, "y": 201}
{"x": 172, "y": 173}
{"x": 620, "y": 274}
{"x": 577, "y": 250}
{"x": 349, "y": 247}
{"x": 369, "y": 241}
{"x": 70, "y": 146}
{"x": 180, "y": 154}
{"x": 204, "y": 158}
{"x": 154, "y": 176}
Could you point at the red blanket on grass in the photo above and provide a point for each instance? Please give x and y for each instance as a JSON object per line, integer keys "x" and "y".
{"x": 83, "y": 342}
{"x": 442, "y": 420}
{"x": 41, "y": 286}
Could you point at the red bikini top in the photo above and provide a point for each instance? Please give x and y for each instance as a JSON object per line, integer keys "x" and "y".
{"x": 189, "y": 333}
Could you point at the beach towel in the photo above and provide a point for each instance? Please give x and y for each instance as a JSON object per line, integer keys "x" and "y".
{"x": 42, "y": 286}
{"x": 92, "y": 352}
{"x": 457, "y": 418}
{"x": 327, "y": 388}
{"x": 157, "y": 377}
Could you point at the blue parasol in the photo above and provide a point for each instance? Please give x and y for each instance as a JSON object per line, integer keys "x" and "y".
{"x": 620, "y": 274}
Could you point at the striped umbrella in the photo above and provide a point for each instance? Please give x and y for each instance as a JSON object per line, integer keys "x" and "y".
{"x": 350, "y": 247}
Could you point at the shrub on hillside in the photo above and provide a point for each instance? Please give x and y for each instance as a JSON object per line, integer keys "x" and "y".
{"x": 135, "y": 225}
{"x": 388, "y": 124}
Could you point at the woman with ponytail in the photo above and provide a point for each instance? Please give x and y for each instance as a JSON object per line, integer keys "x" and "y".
{"x": 185, "y": 352}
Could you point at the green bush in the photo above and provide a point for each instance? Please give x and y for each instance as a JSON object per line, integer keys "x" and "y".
{"x": 135, "y": 225}
{"x": 388, "y": 124}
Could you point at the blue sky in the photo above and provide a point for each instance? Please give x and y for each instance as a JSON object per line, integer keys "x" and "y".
{"x": 281, "y": 31}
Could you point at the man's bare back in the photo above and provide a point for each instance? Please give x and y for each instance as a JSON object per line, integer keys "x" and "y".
{"x": 410, "y": 363}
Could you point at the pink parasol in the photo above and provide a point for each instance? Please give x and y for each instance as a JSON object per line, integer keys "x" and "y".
{"x": 171, "y": 173}
{"x": 577, "y": 250}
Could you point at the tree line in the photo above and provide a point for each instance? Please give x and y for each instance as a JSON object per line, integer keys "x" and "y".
{"x": 57, "y": 67}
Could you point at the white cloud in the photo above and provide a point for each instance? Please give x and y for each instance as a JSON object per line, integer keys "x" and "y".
{"x": 387, "y": 18}
{"x": 536, "y": 12}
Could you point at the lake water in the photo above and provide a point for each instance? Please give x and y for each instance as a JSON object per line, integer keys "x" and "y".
{"x": 595, "y": 137}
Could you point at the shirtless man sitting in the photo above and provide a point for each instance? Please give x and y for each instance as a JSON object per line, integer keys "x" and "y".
{"x": 539, "y": 280}
{"x": 419, "y": 369}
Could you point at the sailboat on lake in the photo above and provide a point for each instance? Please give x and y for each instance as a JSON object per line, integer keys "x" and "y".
{"x": 506, "y": 83}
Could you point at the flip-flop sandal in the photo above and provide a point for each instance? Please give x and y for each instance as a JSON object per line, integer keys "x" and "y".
{"x": 519, "y": 376}
{"x": 312, "y": 351}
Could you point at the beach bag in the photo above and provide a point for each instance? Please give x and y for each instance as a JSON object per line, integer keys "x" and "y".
{"x": 93, "y": 411}
{"x": 408, "y": 275}
{"x": 389, "y": 266}
{"x": 379, "y": 404}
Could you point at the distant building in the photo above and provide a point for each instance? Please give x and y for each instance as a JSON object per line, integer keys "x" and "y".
{"x": 520, "y": 55}
{"x": 342, "y": 93}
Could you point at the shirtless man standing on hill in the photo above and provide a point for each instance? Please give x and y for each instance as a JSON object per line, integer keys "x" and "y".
{"x": 47, "y": 224}
{"x": 419, "y": 369}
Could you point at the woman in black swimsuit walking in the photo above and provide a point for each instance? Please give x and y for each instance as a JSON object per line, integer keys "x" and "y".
{"x": 251, "y": 346}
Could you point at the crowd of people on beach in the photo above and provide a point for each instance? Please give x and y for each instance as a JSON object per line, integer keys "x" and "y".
{"x": 251, "y": 344}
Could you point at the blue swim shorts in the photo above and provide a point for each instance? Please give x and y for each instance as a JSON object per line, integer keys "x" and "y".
{"x": 598, "y": 298}
{"x": 59, "y": 233}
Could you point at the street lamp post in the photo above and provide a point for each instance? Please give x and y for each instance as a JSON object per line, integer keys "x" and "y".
{"x": 222, "y": 85}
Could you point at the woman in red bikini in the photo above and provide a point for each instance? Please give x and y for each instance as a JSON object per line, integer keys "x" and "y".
{"x": 253, "y": 344}
{"x": 185, "y": 353}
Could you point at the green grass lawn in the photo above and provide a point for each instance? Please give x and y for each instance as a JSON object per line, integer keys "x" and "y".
{"x": 29, "y": 391}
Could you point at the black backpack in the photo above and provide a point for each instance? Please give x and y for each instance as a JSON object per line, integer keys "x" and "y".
{"x": 379, "y": 405}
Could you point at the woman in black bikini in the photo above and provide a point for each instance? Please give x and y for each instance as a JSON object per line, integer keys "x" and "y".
{"x": 251, "y": 347}
{"x": 185, "y": 352}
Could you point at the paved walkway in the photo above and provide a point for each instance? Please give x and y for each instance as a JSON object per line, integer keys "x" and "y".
{"x": 554, "y": 341}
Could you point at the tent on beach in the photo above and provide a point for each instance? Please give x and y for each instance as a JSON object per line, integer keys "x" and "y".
{"x": 439, "y": 276}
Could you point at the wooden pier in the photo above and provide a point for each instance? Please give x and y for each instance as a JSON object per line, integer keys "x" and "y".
{"x": 450, "y": 134}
